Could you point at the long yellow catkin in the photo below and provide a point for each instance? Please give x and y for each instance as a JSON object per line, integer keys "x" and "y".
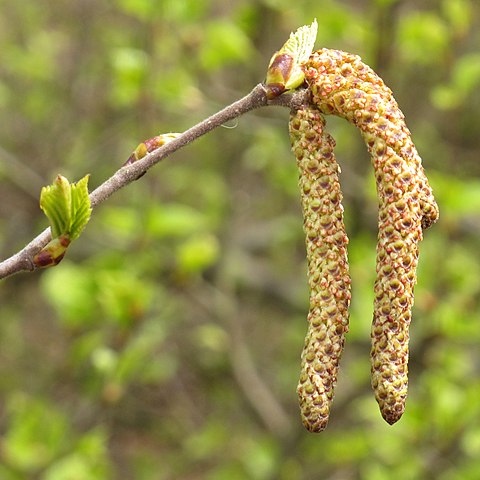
{"x": 328, "y": 277}
{"x": 343, "y": 85}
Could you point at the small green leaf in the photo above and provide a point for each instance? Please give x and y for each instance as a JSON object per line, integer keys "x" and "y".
{"x": 300, "y": 44}
{"x": 198, "y": 253}
{"x": 67, "y": 206}
{"x": 55, "y": 201}
{"x": 285, "y": 69}
{"x": 80, "y": 207}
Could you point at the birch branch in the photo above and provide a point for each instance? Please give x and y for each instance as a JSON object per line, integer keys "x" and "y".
{"x": 23, "y": 260}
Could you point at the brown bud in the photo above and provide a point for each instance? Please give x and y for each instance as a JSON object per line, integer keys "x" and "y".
{"x": 52, "y": 253}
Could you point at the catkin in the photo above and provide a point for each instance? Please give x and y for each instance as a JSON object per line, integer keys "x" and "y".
{"x": 328, "y": 277}
{"x": 343, "y": 85}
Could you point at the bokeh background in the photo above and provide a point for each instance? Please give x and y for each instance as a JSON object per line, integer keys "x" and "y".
{"x": 167, "y": 344}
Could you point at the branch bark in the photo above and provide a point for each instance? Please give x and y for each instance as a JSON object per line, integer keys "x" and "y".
{"x": 23, "y": 260}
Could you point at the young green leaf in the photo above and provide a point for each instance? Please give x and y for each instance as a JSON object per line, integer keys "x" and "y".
{"x": 67, "y": 206}
{"x": 80, "y": 207}
{"x": 300, "y": 44}
{"x": 285, "y": 69}
{"x": 55, "y": 201}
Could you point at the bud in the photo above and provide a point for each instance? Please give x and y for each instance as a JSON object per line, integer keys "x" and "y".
{"x": 285, "y": 70}
{"x": 67, "y": 207}
{"x": 52, "y": 253}
{"x": 149, "y": 146}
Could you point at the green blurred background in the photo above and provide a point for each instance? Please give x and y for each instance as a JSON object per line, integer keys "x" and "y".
{"x": 167, "y": 344}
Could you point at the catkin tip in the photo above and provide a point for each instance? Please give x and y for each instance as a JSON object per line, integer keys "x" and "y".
{"x": 392, "y": 416}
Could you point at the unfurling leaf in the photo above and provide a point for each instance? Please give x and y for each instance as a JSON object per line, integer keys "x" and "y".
{"x": 55, "y": 201}
{"x": 67, "y": 207}
{"x": 80, "y": 207}
{"x": 285, "y": 69}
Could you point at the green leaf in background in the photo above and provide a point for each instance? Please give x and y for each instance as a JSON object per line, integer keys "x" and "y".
{"x": 130, "y": 67}
{"x": 36, "y": 435}
{"x": 457, "y": 197}
{"x": 174, "y": 220}
{"x": 88, "y": 460}
{"x": 142, "y": 9}
{"x": 423, "y": 37}
{"x": 224, "y": 44}
{"x": 75, "y": 302}
{"x": 444, "y": 97}
{"x": 385, "y": 3}
{"x": 198, "y": 253}
{"x": 124, "y": 298}
{"x": 466, "y": 73}
{"x": 465, "y": 78}
{"x": 459, "y": 14}
{"x": 121, "y": 223}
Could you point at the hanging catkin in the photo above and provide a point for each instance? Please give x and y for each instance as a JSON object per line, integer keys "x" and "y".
{"x": 343, "y": 85}
{"x": 328, "y": 277}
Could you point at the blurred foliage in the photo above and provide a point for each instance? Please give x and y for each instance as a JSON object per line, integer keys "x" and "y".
{"x": 166, "y": 345}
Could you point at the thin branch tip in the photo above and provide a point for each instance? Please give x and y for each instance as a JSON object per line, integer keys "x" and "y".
{"x": 23, "y": 260}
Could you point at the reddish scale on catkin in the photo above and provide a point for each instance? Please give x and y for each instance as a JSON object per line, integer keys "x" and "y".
{"x": 343, "y": 85}
{"x": 328, "y": 277}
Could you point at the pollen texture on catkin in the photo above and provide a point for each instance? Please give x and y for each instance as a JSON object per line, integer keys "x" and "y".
{"x": 328, "y": 276}
{"x": 341, "y": 84}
